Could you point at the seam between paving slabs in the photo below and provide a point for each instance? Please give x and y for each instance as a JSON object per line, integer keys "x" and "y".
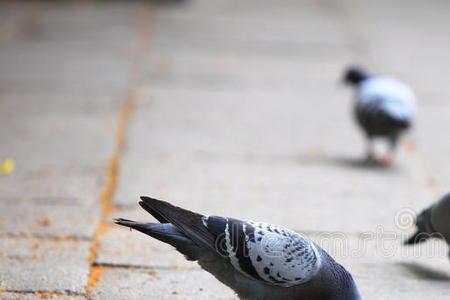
{"x": 112, "y": 170}
{"x": 109, "y": 188}
{"x": 43, "y": 237}
{"x": 42, "y": 294}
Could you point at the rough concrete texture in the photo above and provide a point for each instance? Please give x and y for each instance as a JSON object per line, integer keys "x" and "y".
{"x": 42, "y": 265}
{"x": 145, "y": 284}
{"x": 33, "y": 296}
{"x": 237, "y": 110}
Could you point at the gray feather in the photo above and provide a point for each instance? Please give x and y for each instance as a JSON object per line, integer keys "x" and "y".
{"x": 190, "y": 223}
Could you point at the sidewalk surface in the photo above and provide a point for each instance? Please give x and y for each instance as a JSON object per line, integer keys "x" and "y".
{"x": 224, "y": 107}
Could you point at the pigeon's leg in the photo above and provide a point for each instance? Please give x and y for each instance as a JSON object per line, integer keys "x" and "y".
{"x": 370, "y": 153}
{"x": 389, "y": 157}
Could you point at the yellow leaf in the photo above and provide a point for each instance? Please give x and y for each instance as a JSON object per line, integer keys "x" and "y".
{"x": 7, "y": 167}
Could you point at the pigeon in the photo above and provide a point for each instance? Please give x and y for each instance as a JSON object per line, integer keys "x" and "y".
{"x": 384, "y": 108}
{"x": 259, "y": 261}
{"x": 433, "y": 222}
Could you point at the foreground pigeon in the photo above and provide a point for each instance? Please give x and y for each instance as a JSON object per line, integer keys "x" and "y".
{"x": 258, "y": 261}
{"x": 384, "y": 107}
{"x": 433, "y": 222}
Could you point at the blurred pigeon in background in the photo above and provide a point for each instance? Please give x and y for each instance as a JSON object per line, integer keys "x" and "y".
{"x": 384, "y": 107}
{"x": 257, "y": 260}
{"x": 433, "y": 222}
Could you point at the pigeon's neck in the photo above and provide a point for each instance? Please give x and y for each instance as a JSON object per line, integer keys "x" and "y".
{"x": 339, "y": 280}
{"x": 347, "y": 284}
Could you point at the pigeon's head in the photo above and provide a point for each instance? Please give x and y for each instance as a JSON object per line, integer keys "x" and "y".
{"x": 355, "y": 75}
{"x": 424, "y": 228}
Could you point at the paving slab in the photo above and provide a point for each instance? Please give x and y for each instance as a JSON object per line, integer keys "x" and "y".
{"x": 230, "y": 72}
{"x": 246, "y": 38}
{"x": 65, "y": 70}
{"x": 48, "y": 220}
{"x": 434, "y": 147}
{"x": 386, "y": 281}
{"x": 36, "y": 265}
{"x": 229, "y": 122}
{"x": 313, "y": 191}
{"x": 31, "y": 296}
{"x": 61, "y": 68}
{"x": 36, "y": 137}
{"x": 107, "y": 26}
{"x": 142, "y": 284}
{"x": 382, "y": 247}
{"x": 50, "y": 200}
{"x": 64, "y": 184}
{"x": 72, "y": 49}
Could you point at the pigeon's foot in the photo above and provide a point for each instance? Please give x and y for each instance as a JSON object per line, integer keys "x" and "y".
{"x": 375, "y": 161}
{"x": 371, "y": 159}
{"x": 387, "y": 160}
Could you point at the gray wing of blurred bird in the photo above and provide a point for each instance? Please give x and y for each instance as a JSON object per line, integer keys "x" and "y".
{"x": 257, "y": 260}
{"x": 433, "y": 222}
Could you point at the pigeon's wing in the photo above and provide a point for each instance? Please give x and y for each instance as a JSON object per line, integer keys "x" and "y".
{"x": 387, "y": 97}
{"x": 265, "y": 252}
{"x": 378, "y": 118}
{"x": 190, "y": 223}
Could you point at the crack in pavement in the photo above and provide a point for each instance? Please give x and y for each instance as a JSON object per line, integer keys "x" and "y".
{"x": 107, "y": 207}
{"x": 44, "y": 294}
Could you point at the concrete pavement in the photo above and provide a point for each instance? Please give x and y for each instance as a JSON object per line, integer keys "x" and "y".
{"x": 224, "y": 107}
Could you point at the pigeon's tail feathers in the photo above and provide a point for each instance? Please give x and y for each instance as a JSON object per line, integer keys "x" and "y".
{"x": 401, "y": 123}
{"x": 189, "y": 223}
{"x": 166, "y": 233}
{"x": 154, "y": 213}
{"x": 404, "y": 123}
{"x": 129, "y": 223}
{"x": 161, "y": 231}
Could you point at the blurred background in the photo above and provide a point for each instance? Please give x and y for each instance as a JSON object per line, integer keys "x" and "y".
{"x": 225, "y": 107}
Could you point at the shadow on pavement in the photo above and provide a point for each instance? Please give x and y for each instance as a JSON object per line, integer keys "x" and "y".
{"x": 348, "y": 162}
{"x": 359, "y": 163}
{"x": 304, "y": 159}
{"x": 424, "y": 272}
